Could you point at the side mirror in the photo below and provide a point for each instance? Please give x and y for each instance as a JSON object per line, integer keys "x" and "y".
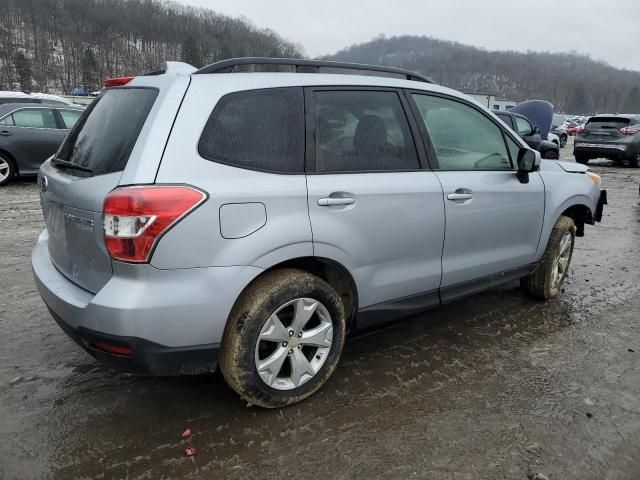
{"x": 528, "y": 161}
{"x": 536, "y": 130}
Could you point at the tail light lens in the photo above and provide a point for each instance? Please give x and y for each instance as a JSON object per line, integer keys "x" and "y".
{"x": 632, "y": 130}
{"x": 135, "y": 218}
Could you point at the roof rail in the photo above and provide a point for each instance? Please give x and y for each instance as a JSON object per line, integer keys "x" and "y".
{"x": 308, "y": 66}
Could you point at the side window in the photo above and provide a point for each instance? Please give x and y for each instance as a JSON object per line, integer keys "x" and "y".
{"x": 70, "y": 117}
{"x": 260, "y": 129}
{"x": 7, "y": 121}
{"x": 358, "y": 130}
{"x": 463, "y": 138}
{"x": 523, "y": 127}
{"x": 506, "y": 119}
{"x": 35, "y": 118}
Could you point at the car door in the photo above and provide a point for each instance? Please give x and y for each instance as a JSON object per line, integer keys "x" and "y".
{"x": 493, "y": 221}
{"x": 527, "y": 133}
{"x": 372, "y": 207}
{"x": 34, "y": 136}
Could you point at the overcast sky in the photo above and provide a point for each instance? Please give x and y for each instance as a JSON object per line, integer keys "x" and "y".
{"x": 605, "y": 30}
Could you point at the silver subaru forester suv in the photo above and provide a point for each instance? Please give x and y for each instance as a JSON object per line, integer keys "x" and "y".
{"x": 229, "y": 216}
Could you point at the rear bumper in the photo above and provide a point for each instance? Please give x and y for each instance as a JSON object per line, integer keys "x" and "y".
{"x": 600, "y": 150}
{"x": 171, "y": 320}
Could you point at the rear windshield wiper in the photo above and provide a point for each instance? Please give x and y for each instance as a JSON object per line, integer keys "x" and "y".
{"x": 71, "y": 165}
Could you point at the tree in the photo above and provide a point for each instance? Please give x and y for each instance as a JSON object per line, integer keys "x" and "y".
{"x": 23, "y": 71}
{"x": 632, "y": 105}
{"x": 191, "y": 52}
{"x": 89, "y": 71}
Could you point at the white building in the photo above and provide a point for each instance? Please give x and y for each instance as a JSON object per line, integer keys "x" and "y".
{"x": 490, "y": 101}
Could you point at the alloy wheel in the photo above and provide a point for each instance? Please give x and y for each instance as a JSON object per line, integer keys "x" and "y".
{"x": 294, "y": 343}
{"x": 5, "y": 169}
{"x": 562, "y": 262}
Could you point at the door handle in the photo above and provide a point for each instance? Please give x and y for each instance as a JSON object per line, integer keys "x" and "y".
{"x": 4, "y": 133}
{"x": 329, "y": 201}
{"x": 460, "y": 196}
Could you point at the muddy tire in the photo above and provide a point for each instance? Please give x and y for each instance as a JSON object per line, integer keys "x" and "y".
{"x": 283, "y": 339}
{"x": 545, "y": 282}
{"x": 7, "y": 169}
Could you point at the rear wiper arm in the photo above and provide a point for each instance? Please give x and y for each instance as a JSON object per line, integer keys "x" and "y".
{"x": 71, "y": 165}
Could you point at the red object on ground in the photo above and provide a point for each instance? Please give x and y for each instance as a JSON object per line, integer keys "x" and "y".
{"x": 190, "y": 451}
{"x": 186, "y": 433}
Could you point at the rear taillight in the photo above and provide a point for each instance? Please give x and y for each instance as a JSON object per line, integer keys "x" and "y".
{"x": 117, "y": 82}
{"x": 630, "y": 130}
{"x": 135, "y": 218}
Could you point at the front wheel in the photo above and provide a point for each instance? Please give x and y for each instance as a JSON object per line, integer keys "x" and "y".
{"x": 7, "y": 170}
{"x": 550, "y": 155}
{"x": 563, "y": 140}
{"x": 283, "y": 339}
{"x": 546, "y": 280}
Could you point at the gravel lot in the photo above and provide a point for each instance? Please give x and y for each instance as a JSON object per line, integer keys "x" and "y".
{"x": 497, "y": 386}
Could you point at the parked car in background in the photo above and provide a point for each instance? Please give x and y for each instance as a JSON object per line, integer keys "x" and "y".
{"x": 530, "y": 134}
{"x": 574, "y": 128}
{"x": 198, "y": 216}
{"x": 31, "y": 133}
{"x": 615, "y": 137}
{"x": 560, "y": 132}
{"x": 21, "y": 97}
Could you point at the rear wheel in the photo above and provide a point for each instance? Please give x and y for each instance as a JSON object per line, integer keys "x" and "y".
{"x": 545, "y": 282}
{"x": 283, "y": 339}
{"x": 7, "y": 169}
{"x": 635, "y": 160}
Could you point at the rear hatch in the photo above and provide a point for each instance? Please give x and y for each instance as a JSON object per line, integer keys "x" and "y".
{"x": 89, "y": 164}
{"x": 604, "y": 129}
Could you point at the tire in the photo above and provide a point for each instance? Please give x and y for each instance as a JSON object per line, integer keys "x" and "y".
{"x": 550, "y": 155}
{"x": 7, "y": 169}
{"x": 253, "y": 335}
{"x": 635, "y": 161}
{"x": 582, "y": 159}
{"x": 563, "y": 140}
{"x": 547, "y": 279}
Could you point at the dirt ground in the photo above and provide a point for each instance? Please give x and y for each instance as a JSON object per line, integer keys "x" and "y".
{"x": 497, "y": 386}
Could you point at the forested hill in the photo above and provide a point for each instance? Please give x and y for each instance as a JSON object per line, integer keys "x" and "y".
{"x": 574, "y": 83}
{"x": 64, "y": 45}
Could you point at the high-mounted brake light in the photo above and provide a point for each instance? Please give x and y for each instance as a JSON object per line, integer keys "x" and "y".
{"x": 117, "y": 82}
{"x": 134, "y": 218}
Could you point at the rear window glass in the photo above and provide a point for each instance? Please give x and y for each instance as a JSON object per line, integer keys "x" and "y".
{"x": 107, "y": 131}
{"x": 607, "y": 122}
{"x": 257, "y": 129}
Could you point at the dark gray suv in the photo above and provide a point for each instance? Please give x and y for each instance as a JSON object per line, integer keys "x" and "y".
{"x": 615, "y": 137}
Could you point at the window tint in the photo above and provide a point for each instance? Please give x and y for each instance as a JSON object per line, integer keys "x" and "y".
{"x": 35, "y": 118}
{"x": 108, "y": 130}
{"x": 523, "y": 126}
{"x": 362, "y": 130}
{"x": 463, "y": 138}
{"x": 261, "y": 129}
{"x": 70, "y": 117}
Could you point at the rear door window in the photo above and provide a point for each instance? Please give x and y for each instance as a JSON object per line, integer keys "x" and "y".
{"x": 103, "y": 138}
{"x": 358, "y": 130}
{"x": 257, "y": 129}
{"x": 34, "y": 118}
